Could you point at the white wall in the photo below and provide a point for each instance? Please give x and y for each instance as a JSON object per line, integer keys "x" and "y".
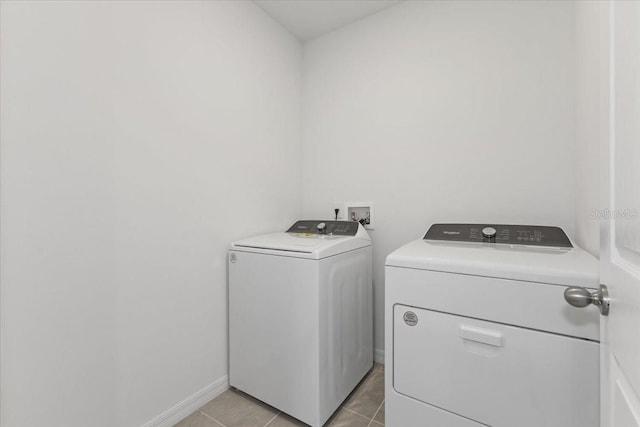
{"x": 138, "y": 140}
{"x": 442, "y": 112}
{"x": 588, "y": 77}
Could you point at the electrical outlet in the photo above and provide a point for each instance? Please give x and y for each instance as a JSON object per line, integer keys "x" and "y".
{"x": 361, "y": 212}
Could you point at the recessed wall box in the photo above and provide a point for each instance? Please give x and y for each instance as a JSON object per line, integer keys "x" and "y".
{"x": 361, "y": 212}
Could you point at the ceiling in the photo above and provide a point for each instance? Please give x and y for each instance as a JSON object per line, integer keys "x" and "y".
{"x": 307, "y": 19}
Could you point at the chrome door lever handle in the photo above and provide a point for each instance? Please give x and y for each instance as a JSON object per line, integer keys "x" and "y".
{"x": 582, "y": 297}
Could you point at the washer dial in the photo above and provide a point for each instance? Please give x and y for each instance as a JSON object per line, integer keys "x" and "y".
{"x": 489, "y": 232}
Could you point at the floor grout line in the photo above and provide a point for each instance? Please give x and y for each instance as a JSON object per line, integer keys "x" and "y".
{"x": 274, "y": 417}
{"x": 376, "y": 413}
{"x": 212, "y": 419}
{"x": 354, "y": 412}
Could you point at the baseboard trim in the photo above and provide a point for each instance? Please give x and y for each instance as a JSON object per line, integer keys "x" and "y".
{"x": 378, "y": 355}
{"x": 185, "y": 408}
{"x": 190, "y": 404}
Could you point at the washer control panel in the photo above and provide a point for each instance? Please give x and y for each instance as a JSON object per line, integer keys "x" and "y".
{"x": 532, "y": 235}
{"x": 336, "y": 228}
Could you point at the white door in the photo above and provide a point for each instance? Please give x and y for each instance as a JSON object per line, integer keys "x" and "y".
{"x": 620, "y": 233}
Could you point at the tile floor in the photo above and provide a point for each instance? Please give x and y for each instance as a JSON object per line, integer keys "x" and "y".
{"x": 363, "y": 408}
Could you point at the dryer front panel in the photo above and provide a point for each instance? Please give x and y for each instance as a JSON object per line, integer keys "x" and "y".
{"x": 531, "y": 305}
{"x": 495, "y": 374}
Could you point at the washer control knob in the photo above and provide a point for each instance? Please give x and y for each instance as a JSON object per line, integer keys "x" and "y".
{"x": 489, "y": 232}
{"x": 322, "y": 227}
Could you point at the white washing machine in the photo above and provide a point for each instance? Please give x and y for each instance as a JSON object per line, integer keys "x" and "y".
{"x": 478, "y": 332}
{"x": 300, "y": 316}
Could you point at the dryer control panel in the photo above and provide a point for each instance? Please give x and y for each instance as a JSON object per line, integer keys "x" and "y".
{"x": 337, "y": 228}
{"x": 532, "y": 235}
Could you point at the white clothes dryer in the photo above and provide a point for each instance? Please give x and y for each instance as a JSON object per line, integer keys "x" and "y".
{"x": 300, "y": 316}
{"x": 478, "y": 332}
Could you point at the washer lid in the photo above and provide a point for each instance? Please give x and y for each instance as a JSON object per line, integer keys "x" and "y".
{"x": 303, "y": 245}
{"x": 560, "y": 266}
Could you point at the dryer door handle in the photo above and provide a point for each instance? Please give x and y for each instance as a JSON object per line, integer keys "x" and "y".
{"x": 485, "y": 336}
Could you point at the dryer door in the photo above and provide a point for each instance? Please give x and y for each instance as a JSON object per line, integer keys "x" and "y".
{"x": 495, "y": 374}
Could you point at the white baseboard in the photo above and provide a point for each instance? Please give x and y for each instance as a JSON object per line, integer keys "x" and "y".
{"x": 185, "y": 408}
{"x": 190, "y": 404}
{"x": 378, "y": 355}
